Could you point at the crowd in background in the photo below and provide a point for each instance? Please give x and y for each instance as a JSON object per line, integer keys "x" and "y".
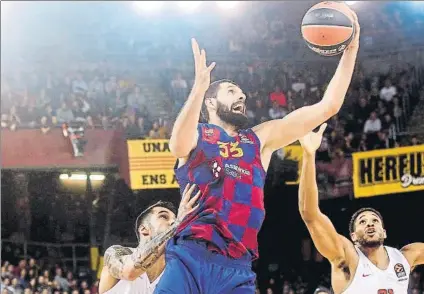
{"x": 31, "y": 277}
{"x": 375, "y": 112}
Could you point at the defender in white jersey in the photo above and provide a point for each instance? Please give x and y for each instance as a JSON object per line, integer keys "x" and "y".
{"x": 363, "y": 265}
{"x": 138, "y": 270}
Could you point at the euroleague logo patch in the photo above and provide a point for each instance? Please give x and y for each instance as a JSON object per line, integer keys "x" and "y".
{"x": 400, "y": 270}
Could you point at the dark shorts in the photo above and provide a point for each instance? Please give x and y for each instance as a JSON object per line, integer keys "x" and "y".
{"x": 191, "y": 268}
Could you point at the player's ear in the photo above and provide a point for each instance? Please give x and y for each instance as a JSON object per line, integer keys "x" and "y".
{"x": 210, "y": 103}
{"x": 384, "y": 234}
{"x": 143, "y": 231}
{"x": 353, "y": 237}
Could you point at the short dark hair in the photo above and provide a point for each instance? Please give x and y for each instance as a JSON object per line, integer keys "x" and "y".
{"x": 212, "y": 92}
{"x": 358, "y": 212}
{"x": 146, "y": 213}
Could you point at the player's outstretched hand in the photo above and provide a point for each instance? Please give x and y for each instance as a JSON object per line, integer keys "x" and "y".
{"x": 186, "y": 204}
{"x": 312, "y": 140}
{"x": 202, "y": 72}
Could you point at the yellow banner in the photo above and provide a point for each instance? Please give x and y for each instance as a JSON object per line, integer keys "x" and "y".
{"x": 151, "y": 164}
{"x": 388, "y": 171}
{"x": 294, "y": 153}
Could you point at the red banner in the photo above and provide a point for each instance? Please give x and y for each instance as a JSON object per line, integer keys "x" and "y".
{"x": 31, "y": 149}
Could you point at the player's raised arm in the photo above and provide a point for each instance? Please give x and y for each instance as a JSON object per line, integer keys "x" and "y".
{"x": 184, "y": 133}
{"x": 328, "y": 242}
{"x": 276, "y": 134}
{"x": 414, "y": 253}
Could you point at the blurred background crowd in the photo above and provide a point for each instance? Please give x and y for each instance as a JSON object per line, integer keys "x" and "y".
{"x": 119, "y": 69}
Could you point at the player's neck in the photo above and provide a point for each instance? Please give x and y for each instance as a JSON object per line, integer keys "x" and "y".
{"x": 156, "y": 269}
{"x": 230, "y": 129}
{"x": 377, "y": 255}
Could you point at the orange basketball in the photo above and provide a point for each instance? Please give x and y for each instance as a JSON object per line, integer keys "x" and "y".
{"x": 328, "y": 28}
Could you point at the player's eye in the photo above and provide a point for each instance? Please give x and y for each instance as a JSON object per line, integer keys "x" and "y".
{"x": 164, "y": 216}
{"x": 231, "y": 91}
{"x": 375, "y": 220}
{"x": 362, "y": 222}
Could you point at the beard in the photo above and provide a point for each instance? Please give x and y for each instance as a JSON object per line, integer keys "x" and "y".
{"x": 363, "y": 242}
{"x": 237, "y": 120}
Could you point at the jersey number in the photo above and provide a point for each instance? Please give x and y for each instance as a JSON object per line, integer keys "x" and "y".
{"x": 384, "y": 291}
{"x": 230, "y": 150}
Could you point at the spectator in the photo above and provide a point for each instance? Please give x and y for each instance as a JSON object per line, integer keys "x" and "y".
{"x": 279, "y": 97}
{"x": 298, "y": 85}
{"x": 277, "y": 111}
{"x": 136, "y": 100}
{"x": 362, "y": 111}
{"x": 348, "y": 148}
{"x": 96, "y": 88}
{"x": 4, "y": 121}
{"x": 60, "y": 280}
{"x": 154, "y": 132}
{"x": 79, "y": 85}
{"x": 388, "y": 91}
{"x": 414, "y": 141}
{"x": 32, "y": 265}
{"x": 141, "y": 127}
{"x": 260, "y": 112}
{"x": 383, "y": 141}
{"x": 373, "y": 124}
{"x": 165, "y": 130}
{"x": 64, "y": 114}
{"x": 13, "y": 115}
{"x": 22, "y": 278}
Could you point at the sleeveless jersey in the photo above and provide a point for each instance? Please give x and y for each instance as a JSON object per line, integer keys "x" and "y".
{"x": 141, "y": 285}
{"x": 372, "y": 280}
{"x": 229, "y": 172}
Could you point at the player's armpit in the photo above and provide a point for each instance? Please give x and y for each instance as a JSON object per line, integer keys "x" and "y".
{"x": 276, "y": 134}
{"x": 326, "y": 239}
{"x": 414, "y": 253}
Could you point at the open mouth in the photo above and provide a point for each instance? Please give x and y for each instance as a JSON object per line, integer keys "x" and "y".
{"x": 370, "y": 232}
{"x": 239, "y": 108}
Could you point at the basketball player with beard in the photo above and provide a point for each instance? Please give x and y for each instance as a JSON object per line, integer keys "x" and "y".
{"x": 213, "y": 248}
{"x": 362, "y": 264}
{"x": 137, "y": 270}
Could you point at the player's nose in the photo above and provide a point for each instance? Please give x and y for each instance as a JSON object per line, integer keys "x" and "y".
{"x": 242, "y": 98}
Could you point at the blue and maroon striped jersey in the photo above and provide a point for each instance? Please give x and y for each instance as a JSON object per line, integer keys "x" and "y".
{"x": 229, "y": 172}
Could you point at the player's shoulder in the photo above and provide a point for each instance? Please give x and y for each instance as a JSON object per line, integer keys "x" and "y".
{"x": 351, "y": 255}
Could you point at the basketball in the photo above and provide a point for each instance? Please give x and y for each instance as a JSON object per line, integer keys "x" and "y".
{"x": 328, "y": 28}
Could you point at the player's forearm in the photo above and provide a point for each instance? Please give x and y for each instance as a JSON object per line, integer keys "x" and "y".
{"x": 184, "y": 131}
{"x": 308, "y": 188}
{"x": 339, "y": 84}
{"x": 126, "y": 265}
{"x": 144, "y": 256}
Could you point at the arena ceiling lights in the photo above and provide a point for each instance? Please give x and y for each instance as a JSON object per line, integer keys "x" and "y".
{"x": 81, "y": 177}
{"x": 151, "y": 6}
{"x": 227, "y": 4}
{"x": 148, "y": 6}
{"x": 189, "y": 5}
